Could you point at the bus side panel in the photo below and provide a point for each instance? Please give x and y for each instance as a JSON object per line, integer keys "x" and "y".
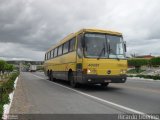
{"x": 62, "y": 64}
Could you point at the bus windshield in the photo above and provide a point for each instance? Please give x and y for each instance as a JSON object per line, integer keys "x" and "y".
{"x": 103, "y": 46}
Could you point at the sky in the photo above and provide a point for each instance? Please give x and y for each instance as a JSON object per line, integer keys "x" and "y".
{"x": 29, "y": 27}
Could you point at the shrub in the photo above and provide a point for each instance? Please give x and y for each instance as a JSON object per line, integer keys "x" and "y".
{"x": 155, "y": 61}
{"x": 134, "y": 71}
{"x": 9, "y": 67}
{"x": 2, "y": 65}
{"x": 137, "y": 63}
{"x": 1, "y": 110}
{"x": 7, "y": 87}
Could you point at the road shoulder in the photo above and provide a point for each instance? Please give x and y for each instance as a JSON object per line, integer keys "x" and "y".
{"x": 20, "y": 104}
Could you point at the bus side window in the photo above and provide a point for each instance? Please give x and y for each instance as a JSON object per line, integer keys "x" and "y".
{"x": 45, "y": 57}
{"x": 51, "y": 53}
{"x": 72, "y": 45}
{"x": 48, "y": 56}
{"x": 65, "y": 47}
{"x": 60, "y": 50}
{"x": 55, "y": 52}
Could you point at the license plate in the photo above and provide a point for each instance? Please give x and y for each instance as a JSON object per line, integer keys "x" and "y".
{"x": 107, "y": 80}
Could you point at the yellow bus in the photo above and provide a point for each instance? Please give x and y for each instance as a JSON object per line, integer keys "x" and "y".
{"x": 89, "y": 56}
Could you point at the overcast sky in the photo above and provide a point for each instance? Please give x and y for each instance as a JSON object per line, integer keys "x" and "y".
{"x": 29, "y": 27}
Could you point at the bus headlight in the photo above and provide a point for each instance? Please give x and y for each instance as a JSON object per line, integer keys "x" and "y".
{"x": 88, "y": 70}
{"x": 123, "y": 71}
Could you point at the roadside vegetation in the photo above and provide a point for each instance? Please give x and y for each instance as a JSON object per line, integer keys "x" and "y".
{"x": 137, "y": 71}
{"x": 134, "y": 71}
{"x": 154, "y": 77}
{"x": 7, "y": 78}
{"x": 5, "y": 69}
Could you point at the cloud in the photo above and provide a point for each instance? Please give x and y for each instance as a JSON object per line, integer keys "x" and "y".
{"x": 32, "y": 26}
{"x": 11, "y": 51}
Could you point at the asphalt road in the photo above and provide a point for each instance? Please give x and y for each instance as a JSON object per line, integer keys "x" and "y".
{"x": 134, "y": 96}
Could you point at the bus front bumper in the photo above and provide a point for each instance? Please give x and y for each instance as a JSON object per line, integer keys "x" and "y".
{"x": 97, "y": 79}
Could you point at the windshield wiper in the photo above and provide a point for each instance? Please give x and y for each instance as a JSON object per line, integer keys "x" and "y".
{"x": 109, "y": 51}
{"x": 103, "y": 49}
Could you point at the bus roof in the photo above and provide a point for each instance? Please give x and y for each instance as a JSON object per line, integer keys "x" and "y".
{"x": 70, "y": 36}
{"x": 99, "y": 31}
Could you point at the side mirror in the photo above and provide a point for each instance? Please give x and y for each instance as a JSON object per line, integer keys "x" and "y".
{"x": 125, "y": 46}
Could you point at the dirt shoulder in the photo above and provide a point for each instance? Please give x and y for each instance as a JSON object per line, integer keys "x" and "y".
{"x": 20, "y": 104}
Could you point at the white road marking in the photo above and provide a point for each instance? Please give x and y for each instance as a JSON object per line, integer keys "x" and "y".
{"x": 105, "y": 101}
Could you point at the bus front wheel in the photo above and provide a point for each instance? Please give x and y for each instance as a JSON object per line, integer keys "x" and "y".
{"x": 51, "y": 77}
{"x": 72, "y": 81}
{"x": 104, "y": 85}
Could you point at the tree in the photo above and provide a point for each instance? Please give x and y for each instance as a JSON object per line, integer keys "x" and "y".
{"x": 2, "y": 66}
{"x": 8, "y": 67}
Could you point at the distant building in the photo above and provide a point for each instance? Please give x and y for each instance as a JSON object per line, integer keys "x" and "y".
{"x": 17, "y": 62}
{"x": 23, "y": 65}
{"x": 145, "y": 56}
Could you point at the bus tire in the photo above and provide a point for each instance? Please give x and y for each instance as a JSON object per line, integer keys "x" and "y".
{"x": 72, "y": 81}
{"x": 48, "y": 75}
{"x": 104, "y": 85}
{"x": 51, "y": 76}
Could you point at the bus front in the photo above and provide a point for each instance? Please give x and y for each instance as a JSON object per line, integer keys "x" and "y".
{"x": 104, "y": 60}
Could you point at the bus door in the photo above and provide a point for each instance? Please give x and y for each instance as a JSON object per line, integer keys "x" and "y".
{"x": 79, "y": 58}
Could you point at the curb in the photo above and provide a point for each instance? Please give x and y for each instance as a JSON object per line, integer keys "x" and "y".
{"x": 143, "y": 79}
